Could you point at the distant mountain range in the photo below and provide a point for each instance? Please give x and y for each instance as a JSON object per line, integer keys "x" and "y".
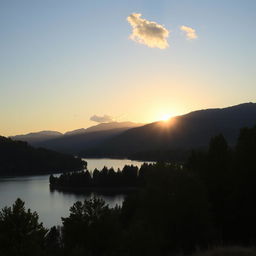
{"x": 104, "y": 127}
{"x": 36, "y": 137}
{"x": 77, "y": 140}
{"x": 179, "y": 134}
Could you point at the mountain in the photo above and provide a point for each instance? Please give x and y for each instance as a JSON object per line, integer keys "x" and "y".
{"x": 77, "y": 131}
{"x": 19, "y": 158}
{"x": 112, "y": 125}
{"x": 192, "y": 130}
{"x": 36, "y": 137}
{"x": 74, "y": 142}
{"x": 104, "y": 127}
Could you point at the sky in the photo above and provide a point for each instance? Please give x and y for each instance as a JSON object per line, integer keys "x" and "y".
{"x": 71, "y": 64}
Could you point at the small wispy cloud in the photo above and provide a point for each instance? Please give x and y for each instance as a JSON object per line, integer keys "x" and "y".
{"x": 189, "y": 32}
{"x": 102, "y": 119}
{"x": 148, "y": 32}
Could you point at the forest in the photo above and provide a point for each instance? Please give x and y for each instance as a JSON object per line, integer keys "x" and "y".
{"x": 129, "y": 178}
{"x": 19, "y": 158}
{"x": 208, "y": 201}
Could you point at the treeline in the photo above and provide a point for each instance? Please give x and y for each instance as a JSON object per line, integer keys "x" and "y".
{"x": 208, "y": 201}
{"x": 128, "y": 177}
{"x": 229, "y": 176}
{"x": 93, "y": 228}
{"x": 19, "y": 158}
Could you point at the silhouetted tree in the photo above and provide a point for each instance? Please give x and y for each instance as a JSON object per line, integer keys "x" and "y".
{"x": 91, "y": 228}
{"x": 244, "y": 180}
{"x": 106, "y": 178}
{"x": 170, "y": 214}
{"x": 53, "y": 244}
{"x": 20, "y": 232}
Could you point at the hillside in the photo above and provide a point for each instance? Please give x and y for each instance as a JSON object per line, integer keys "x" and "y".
{"x": 192, "y": 130}
{"x": 19, "y": 158}
{"x": 36, "y": 137}
{"x": 73, "y": 142}
{"x": 104, "y": 127}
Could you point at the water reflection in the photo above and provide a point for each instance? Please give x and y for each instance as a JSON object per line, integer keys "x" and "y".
{"x": 112, "y": 199}
{"x": 52, "y": 205}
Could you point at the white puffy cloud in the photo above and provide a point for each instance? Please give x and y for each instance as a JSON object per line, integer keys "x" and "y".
{"x": 102, "y": 119}
{"x": 190, "y": 32}
{"x": 148, "y": 32}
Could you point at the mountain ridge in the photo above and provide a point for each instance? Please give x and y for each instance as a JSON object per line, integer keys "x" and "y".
{"x": 184, "y": 132}
{"x": 75, "y": 141}
{"x": 35, "y": 138}
{"x": 103, "y": 127}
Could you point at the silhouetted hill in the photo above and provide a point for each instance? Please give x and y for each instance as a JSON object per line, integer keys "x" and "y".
{"x": 104, "y": 127}
{"x": 184, "y": 132}
{"x": 75, "y": 143}
{"x": 36, "y": 137}
{"x": 19, "y": 158}
{"x": 77, "y": 131}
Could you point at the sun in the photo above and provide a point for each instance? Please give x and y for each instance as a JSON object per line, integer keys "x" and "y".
{"x": 166, "y": 117}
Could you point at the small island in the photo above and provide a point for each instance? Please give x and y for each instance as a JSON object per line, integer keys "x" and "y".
{"x": 130, "y": 178}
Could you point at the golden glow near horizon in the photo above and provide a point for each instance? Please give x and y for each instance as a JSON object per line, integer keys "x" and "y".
{"x": 167, "y": 121}
{"x": 166, "y": 117}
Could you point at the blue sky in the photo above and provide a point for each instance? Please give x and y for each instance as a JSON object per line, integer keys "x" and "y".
{"x": 63, "y": 61}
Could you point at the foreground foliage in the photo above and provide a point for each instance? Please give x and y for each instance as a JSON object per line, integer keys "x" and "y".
{"x": 20, "y": 231}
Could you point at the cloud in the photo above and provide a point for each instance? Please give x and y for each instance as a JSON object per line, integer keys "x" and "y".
{"x": 190, "y": 32}
{"x": 102, "y": 119}
{"x": 148, "y": 32}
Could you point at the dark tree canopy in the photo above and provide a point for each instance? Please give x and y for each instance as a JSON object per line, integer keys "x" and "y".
{"x": 18, "y": 158}
{"x": 20, "y": 232}
{"x": 128, "y": 178}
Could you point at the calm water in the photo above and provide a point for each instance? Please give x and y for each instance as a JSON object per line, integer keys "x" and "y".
{"x": 51, "y": 206}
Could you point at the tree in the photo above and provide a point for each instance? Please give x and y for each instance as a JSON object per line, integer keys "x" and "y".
{"x": 53, "y": 241}
{"x": 244, "y": 180}
{"x": 20, "y": 232}
{"x": 170, "y": 213}
{"x": 91, "y": 228}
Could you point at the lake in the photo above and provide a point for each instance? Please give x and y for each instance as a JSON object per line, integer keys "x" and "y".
{"x": 52, "y": 205}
